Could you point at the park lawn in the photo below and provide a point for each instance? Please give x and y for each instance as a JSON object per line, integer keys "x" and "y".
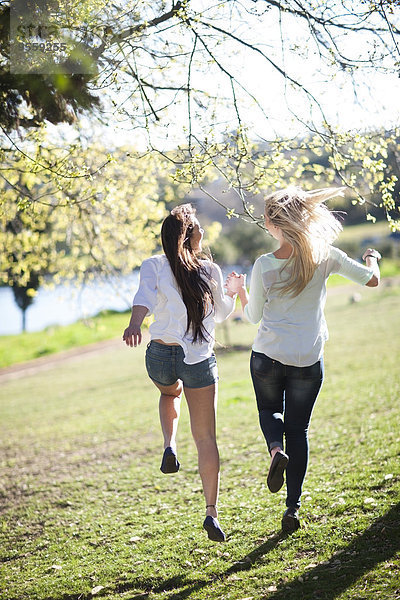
{"x": 30, "y": 345}
{"x": 362, "y": 231}
{"x": 86, "y": 512}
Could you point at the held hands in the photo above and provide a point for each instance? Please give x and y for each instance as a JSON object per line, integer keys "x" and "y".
{"x": 234, "y": 283}
{"x": 132, "y": 335}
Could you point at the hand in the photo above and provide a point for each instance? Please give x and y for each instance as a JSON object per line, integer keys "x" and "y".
{"x": 235, "y": 282}
{"x": 132, "y": 336}
{"x": 372, "y": 252}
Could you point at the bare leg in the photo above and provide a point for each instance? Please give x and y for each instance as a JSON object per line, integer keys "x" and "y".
{"x": 202, "y": 410}
{"x": 169, "y": 409}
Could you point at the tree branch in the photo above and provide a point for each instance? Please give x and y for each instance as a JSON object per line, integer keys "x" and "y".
{"x": 126, "y": 33}
{"x": 307, "y": 15}
{"x": 272, "y": 63}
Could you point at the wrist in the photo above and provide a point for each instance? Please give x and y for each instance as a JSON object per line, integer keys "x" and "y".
{"x": 372, "y": 253}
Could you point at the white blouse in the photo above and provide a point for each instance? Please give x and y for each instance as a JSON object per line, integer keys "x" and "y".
{"x": 293, "y": 330}
{"x": 158, "y": 291}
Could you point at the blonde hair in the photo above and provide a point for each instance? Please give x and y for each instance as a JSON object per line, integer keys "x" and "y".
{"x": 308, "y": 226}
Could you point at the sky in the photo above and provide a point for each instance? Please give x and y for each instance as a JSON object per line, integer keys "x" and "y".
{"x": 367, "y": 100}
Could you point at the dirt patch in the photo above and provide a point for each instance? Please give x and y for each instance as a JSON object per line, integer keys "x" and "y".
{"x": 47, "y": 362}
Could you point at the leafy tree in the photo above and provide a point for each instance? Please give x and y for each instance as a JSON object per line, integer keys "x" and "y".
{"x": 176, "y": 75}
{"x": 365, "y": 164}
{"x": 157, "y": 55}
{"x": 28, "y": 98}
{"x": 99, "y": 225}
{"x": 24, "y": 295}
{"x": 242, "y": 245}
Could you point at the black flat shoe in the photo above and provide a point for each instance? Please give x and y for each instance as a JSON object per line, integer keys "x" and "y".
{"x": 276, "y": 470}
{"x": 213, "y": 529}
{"x": 169, "y": 463}
{"x": 290, "y": 520}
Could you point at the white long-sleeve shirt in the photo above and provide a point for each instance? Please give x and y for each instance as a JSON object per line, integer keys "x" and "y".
{"x": 159, "y": 292}
{"x": 293, "y": 330}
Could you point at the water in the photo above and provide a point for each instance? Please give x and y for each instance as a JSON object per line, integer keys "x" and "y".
{"x": 66, "y": 303}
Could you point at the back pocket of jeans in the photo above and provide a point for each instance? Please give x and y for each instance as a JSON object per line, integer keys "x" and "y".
{"x": 261, "y": 364}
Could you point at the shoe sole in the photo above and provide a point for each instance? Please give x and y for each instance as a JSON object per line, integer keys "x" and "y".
{"x": 290, "y": 524}
{"x": 275, "y": 480}
{"x": 170, "y": 464}
{"x": 213, "y": 535}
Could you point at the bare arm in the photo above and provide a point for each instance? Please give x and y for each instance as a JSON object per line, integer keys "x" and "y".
{"x": 132, "y": 334}
{"x": 223, "y": 307}
{"x": 243, "y": 296}
{"x": 371, "y": 258}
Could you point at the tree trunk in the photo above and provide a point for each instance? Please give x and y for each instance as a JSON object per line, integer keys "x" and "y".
{"x": 23, "y": 320}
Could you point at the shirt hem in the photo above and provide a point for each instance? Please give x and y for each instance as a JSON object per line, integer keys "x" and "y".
{"x": 287, "y": 361}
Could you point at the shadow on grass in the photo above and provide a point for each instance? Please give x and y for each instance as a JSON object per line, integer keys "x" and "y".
{"x": 379, "y": 543}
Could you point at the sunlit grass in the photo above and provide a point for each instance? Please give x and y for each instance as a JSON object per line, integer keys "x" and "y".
{"x": 27, "y": 346}
{"x": 86, "y": 512}
{"x": 363, "y": 231}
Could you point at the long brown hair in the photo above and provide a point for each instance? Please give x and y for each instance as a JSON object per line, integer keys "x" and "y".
{"x": 309, "y": 227}
{"x": 191, "y": 277}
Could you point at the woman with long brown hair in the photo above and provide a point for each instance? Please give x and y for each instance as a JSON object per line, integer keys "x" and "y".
{"x": 288, "y": 294}
{"x": 184, "y": 290}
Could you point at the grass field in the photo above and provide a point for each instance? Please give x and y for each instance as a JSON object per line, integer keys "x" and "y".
{"x": 28, "y": 346}
{"x": 86, "y": 512}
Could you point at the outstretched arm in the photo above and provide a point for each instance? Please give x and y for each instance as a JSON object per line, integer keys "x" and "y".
{"x": 254, "y": 301}
{"x": 367, "y": 274}
{"x": 132, "y": 334}
{"x": 223, "y": 303}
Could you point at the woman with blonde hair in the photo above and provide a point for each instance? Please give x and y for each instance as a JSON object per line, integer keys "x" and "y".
{"x": 184, "y": 290}
{"x": 287, "y": 294}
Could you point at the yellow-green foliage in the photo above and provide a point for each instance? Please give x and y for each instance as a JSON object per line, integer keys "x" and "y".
{"x": 92, "y": 212}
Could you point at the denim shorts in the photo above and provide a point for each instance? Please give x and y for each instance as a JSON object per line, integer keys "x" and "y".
{"x": 165, "y": 366}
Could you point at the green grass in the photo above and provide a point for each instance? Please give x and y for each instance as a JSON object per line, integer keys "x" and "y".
{"x": 357, "y": 233}
{"x": 84, "y": 504}
{"x": 27, "y": 346}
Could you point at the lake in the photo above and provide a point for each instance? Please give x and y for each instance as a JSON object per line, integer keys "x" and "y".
{"x": 67, "y": 303}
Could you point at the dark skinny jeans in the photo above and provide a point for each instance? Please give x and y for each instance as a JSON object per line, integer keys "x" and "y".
{"x": 285, "y": 399}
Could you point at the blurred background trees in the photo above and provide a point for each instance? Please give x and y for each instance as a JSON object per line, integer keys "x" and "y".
{"x": 64, "y": 225}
